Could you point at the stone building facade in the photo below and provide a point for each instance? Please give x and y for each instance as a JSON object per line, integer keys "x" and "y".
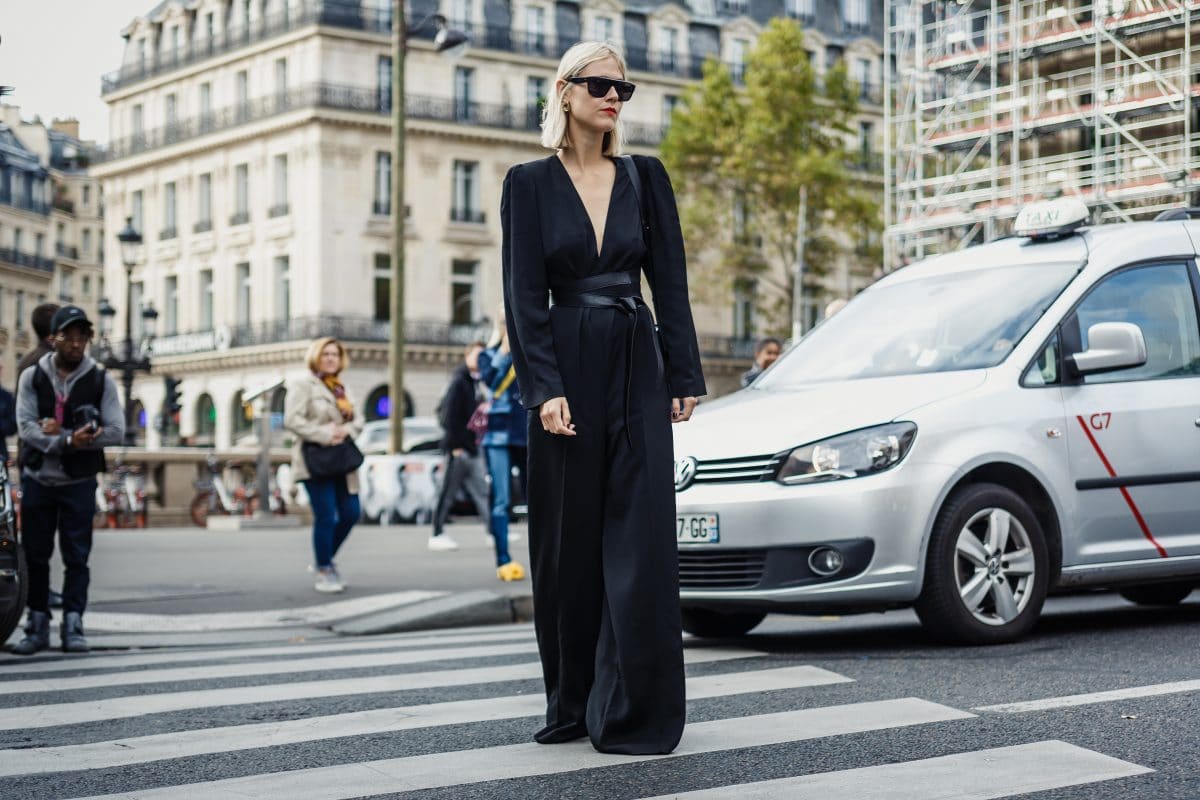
{"x": 51, "y": 231}
{"x": 250, "y": 142}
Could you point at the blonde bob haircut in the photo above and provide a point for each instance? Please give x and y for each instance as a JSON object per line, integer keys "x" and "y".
{"x": 314, "y": 354}
{"x": 555, "y": 133}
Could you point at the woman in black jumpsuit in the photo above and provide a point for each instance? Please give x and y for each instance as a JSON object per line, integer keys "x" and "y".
{"x": 602, "y": 397}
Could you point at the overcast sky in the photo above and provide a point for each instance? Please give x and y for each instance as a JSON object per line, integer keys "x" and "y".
{"x": 54, "y": 52}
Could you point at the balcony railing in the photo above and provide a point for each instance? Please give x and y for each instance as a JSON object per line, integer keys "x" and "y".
{"x": 25, "y": 203}
{"x": 309, "y": 12}
{"x": 420, "y": 332}
{"x": 64, "y": 204}
{"x": 280, "y": 210}
{"x": 28, "y": 260}
{"x": 348, "y": 98}
{"x": 203, "y": 226}
{"x": 239, "y": 218}
{"x": 467, "y": 215}
{"x": 66, "y": 250}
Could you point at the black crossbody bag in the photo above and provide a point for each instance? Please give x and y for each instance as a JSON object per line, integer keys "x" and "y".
{"x": 331, "y": 461}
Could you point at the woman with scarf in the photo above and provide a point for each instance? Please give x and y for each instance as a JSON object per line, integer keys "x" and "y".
{"x": 319, "y": 409}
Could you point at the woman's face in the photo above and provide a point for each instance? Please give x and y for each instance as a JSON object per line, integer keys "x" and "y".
{"x": 331, "y": 360}
{"x": 597, "y": 113}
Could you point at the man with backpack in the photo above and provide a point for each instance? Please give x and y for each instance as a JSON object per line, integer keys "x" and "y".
{"x": 464, "y": 467}
{"x": 68, "y": 410}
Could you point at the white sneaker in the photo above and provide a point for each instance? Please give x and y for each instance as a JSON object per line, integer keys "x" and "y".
{"x": 328, "y": 583}
{"x": 443, "y": 542}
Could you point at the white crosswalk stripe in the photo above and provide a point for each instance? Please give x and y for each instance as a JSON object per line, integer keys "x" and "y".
{"x": 74, "y": 713}
{"x": 244, "y": 737}
{"x": 332, "y": 695}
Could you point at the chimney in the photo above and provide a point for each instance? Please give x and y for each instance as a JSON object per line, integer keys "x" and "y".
{"x": 68, "y": 126}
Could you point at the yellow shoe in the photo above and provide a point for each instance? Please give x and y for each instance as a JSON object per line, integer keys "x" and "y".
{"x": 512, "y": 571}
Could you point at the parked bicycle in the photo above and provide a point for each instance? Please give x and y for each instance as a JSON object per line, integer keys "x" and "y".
{"x": 214, "y": 496}
{"x": 121, "y": 499}
{"x": 14, "y": 578}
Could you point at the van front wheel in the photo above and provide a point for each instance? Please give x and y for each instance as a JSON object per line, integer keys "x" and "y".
{"x": 986, "y": 570}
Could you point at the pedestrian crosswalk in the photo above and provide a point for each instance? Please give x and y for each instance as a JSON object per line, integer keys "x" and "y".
{"x": 454, "y": 711}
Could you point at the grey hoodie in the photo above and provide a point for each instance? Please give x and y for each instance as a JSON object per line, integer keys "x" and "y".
{"x": 29, "y": 425}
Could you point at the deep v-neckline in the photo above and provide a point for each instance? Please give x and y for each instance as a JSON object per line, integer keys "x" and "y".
{"x": 598, "y": 241}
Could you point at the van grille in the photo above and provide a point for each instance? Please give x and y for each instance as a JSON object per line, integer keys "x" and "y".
{"x": 747, "y": 469}
{"x": 721, "y": 569}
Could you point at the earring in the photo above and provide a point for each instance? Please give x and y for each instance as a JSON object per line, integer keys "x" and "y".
{"x": 566, "y": 107}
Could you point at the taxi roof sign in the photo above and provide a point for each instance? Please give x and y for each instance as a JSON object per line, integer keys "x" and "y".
{"x": 1051, "y": 219}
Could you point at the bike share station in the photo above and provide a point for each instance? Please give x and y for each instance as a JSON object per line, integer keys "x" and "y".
{"x": 263, "y": 516}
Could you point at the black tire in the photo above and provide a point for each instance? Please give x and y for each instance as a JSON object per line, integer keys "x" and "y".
{"x": 719, "y": 624}
{"x": 1159, "y": 594}
{"x": 13, "y": 593}
{"x": 941, "y": 607}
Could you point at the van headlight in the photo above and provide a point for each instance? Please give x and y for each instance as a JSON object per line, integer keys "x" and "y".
{"x": 849, "y": 455}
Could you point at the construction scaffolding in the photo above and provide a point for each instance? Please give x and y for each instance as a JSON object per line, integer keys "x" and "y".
{"x": 992, "y": 103}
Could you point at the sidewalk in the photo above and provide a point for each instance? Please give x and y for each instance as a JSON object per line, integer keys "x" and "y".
{"x": 189, "y": 586}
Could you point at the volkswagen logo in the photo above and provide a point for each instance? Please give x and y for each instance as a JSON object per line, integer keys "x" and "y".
{"x": 685, "y": 473}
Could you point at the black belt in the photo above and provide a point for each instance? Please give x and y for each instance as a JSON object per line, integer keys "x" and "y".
{"x": 582, "y": 294}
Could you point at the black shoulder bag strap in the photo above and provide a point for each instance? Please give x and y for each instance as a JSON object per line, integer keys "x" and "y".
{"x": 635, "y": 177}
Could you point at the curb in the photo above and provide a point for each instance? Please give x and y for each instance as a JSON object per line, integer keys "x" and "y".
{"x": 452, "y": 611}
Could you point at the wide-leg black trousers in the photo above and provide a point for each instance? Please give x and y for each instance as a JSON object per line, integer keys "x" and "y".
{"x": 602, "y": 540}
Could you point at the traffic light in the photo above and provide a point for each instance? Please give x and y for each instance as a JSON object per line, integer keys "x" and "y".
{"x": 171, "y": 404}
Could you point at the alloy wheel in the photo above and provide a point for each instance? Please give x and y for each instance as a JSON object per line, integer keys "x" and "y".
{"x": 994, "y": 566}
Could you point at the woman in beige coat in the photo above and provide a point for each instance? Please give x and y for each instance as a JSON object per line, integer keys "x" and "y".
{"x": 319, "y": 409}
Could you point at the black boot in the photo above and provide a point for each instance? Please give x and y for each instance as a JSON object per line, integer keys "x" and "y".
{"x": 73, "y": 640}
{"x": 37, "y": 634}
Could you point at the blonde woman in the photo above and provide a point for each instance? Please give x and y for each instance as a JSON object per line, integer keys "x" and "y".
{"x": 601, "y": 402}
{"x": 318, "y": 408}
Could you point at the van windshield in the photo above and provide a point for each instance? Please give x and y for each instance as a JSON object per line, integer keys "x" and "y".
{"x": 957, "y": 321}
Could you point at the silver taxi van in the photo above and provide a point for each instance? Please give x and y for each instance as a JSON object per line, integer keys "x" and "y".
{"x": 968, "y": 434}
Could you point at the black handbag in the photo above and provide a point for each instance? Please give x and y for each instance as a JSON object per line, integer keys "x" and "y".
{"x": 331, "y": 461}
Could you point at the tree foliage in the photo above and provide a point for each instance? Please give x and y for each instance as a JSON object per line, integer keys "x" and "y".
{"x": 739, "y": 158}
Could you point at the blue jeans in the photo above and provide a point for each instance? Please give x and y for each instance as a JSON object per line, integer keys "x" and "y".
{"x": 335, "y": 511}
{"x": 500, "y": 469}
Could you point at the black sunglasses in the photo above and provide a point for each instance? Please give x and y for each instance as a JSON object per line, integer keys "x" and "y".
{"x": 598, "y": 87}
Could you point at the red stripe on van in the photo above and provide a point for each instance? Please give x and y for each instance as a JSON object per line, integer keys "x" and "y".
{"x": 1112, "y": 473}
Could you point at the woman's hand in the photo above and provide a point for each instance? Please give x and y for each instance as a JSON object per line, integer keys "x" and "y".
{"x": 682, "y": 408}
{"x": 556, "y": 417}
{"x": 340, "y": 434}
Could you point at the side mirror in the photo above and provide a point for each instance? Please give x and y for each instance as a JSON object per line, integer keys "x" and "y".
{"x": 1111, "y": 346}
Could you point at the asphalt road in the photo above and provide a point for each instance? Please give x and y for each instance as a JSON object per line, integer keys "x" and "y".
{"x": 193, "y": 570}
{"x": 147, "y": 722}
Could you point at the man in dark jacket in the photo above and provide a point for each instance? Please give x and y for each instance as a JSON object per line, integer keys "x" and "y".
{"x": 464, "y": 467}
{"x": 41, "y": 318}
{"x": 8, "y": 418}
{"x": 68, "y": 410}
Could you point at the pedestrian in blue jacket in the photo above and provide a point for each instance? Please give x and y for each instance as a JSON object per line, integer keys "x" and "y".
{"x": 503, "y": 443}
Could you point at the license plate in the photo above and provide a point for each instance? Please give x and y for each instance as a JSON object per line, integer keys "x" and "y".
{"x": 697, "y": 528}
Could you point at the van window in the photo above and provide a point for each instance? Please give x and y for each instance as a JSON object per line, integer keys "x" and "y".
{"x": 970, "y": 319}
{"x": 1159, "y": 300}
{"x": 1044, "y": 369}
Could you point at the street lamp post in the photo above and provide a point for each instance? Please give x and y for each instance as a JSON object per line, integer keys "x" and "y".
{"x": 445, "y": 39}
{"x": 130, "y": 362}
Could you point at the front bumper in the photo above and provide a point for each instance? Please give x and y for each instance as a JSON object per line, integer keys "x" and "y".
{"x": 767, "y": 531}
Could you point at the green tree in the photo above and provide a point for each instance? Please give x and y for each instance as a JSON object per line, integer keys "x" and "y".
{"x": 739, "y": 159}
